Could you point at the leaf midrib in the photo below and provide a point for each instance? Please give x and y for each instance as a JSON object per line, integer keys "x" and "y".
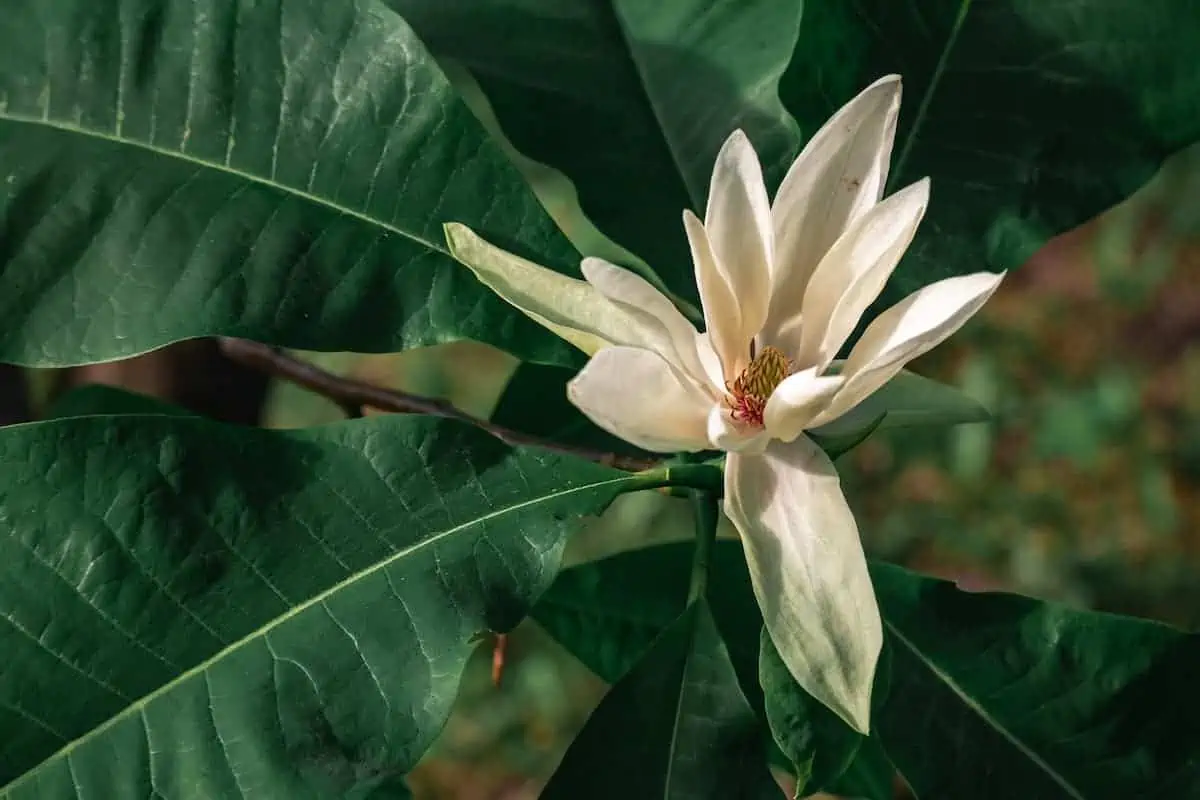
{"x": 985, "y": 717}
{"x": 668, "y": 779}
{"x": 963, "y": 7}
{"x": 25, "y": 119}
{"x": 139, "y": 705}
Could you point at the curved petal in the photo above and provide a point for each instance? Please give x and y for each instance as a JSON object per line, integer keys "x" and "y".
{"x": 908, "y": 329}
{"x": 738, "y": 221}
{"x": 670, "y": 334}
{"x": 838, "y": 176}
{"x": 797, "y": 401}
{"x": 722, "y": 317}
{"x": 809, "y": 572}
{"x": 571, "y": 308}
{"x": 711, "y": 364}
{"x": 726, "y": 433}
{"x": 853, "y": 272}
{"x": 636, "y": 395}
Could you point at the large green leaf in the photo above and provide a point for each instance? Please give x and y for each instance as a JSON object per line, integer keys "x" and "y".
{"x": 1030, "y": 116}
{"x": 608, "y": 612}
{"x": 194, "y": 610}
{"x": 990, "y": 695}
{"x": 676, "y": 726}
{"x": 870, "y": 775}
{"x": 817, "y": 744}
{"x": 631, "y": 99}
{"x": 1046, "y": 701}
{"x": 275, "y": 170}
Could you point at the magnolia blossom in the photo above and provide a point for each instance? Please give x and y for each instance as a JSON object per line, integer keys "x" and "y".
{"x": 783, "y": 285}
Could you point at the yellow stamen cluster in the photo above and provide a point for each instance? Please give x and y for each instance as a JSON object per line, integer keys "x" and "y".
{"x": 750, "y": 391}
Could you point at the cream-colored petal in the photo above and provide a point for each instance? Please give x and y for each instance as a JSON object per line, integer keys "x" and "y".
{"x": 722, "y": 317}
{"x": 572, "y": 309}
{"x": 671, "y": 335}
{"x": 726, "y": 433}
{"x": 636, "y": 395}
{"x": 797, "y": 401}
{"x": 854, "y": 271}
{"x": 908, "y": 329}
{"x": 838, "y": 176}
{"x": 711, "y": 364}
{"x": 809, "y": 572}
{"x": 738, "y": 222}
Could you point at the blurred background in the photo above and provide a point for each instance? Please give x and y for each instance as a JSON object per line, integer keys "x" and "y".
{"x": 1085, "y": 489}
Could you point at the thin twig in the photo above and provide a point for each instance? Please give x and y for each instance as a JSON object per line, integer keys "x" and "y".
{"x": 351, "y": 395}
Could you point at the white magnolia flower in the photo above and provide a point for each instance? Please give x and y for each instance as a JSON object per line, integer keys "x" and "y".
{"x": 783, "y": 286}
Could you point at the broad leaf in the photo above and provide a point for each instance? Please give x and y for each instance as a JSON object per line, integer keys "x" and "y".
{"x": 608, "y": 612}
{"x": 630, "y": 99}
{"x": 195, "y": 610}
{"x": 870, "y": 775}
{"x": 908, "y": 400}
{"x": 676, "y": 726}
{"x": 1029, "y": 116}
{"x": 274, "y": 170}
{"x": 990, "y": 696}
{"x": 1043, "y": 700}
{"x": 818, "y": 745}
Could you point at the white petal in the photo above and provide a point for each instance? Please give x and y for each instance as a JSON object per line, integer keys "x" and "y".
{"x": 670, "y": 334}
{"x": 570, "y": 308}
{"x": 726, "y": 433}
{"x": 711, "y": 364}
{"x": 636, "y": 395}
{"x": 738, "y": 221}
{"x": 722, "y": 318}
{"x": 838, "y": 176}
{"x": 797, "y": 401}
{"x": 853, "y": 272}
{"x": 809, "y": 572}
{"x": 908, "y": 329}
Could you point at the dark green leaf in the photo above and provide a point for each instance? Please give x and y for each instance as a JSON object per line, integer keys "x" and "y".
{"x": 608, "y": 612}
{"x": 870, "y": 775}
{"x": 1000, "y": 696}
{"x": 97, "y": 399}
{"x": 631, "y": 99}
{"x": 908, "y": 400}
{"x": 991, "y": 695}
{"x": 837, "y": 445}
{"x": 194, "y": 610}
{"x": 1030, "y": 117}
{"x": 676, "y": 726}
{"x": 278, "y": 171}
{"x": 816, "y": 742}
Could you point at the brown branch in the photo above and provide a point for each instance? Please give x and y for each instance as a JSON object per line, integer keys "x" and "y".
{"x": 351, "y": 395}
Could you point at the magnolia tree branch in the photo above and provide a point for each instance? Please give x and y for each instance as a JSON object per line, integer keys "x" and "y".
{"x": 351, "y": 395}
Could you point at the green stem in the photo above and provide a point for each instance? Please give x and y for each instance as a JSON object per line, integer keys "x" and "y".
{"x": 693, "y": 476}
{"x": 707, "y": 510}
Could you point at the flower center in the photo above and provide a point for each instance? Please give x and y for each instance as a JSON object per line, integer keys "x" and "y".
{"x": 748, "y": 395}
